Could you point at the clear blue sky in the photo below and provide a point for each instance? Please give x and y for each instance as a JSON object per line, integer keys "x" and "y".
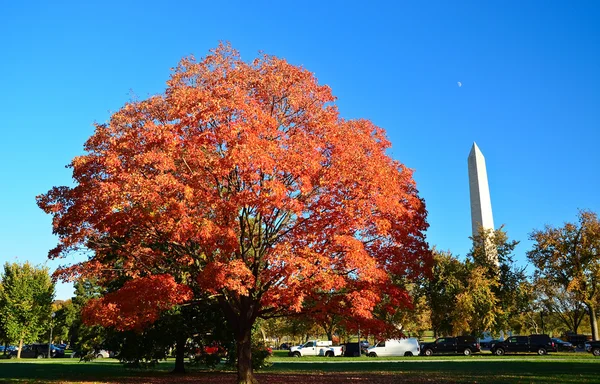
{"x": 530, "y": 95}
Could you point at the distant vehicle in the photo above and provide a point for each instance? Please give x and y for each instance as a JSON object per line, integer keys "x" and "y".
{"x": 99, "y": 354}
{"x": 316, "y": 348}
{"x": 211, "y": 349}
{"x": 594, "y": 347}
{"x": 542, "y": 344}
{"x": 563, "y": 346}
{"x": 465, "y": 345}
{"x": 487, "y": 342}
{"x": 285, "y": 346}
{"x": 102, "y": 354}
{"x": 7, "y": 348}
{"x": 364, "y": 346}
{"x": 395, "y": 347}
{"x": 352, "y": 349}
{"x": 215, "y": 348}
{"x": 38, "y": 351}
{"x": 577, "y": 340}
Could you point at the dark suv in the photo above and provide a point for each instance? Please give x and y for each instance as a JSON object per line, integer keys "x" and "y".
{"x": 542, "y": 344}
{"x": 465, "y": 345}
{"x": 595, "y": 348}
{"x": 38, "y": 351}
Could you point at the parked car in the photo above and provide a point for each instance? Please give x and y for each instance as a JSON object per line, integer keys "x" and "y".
{"x": 465, "y": 345}
{"x": 38, "y": 351}
{"x": 542, "y": 344}
{"x": 577, "y": 340}
{"x": 98, "y": 354}
{"x": 102, "y": 354}
{"x": 487, "y": 342}
{"x": 364, "y": 346}
{"x": 28, "y": 351}
{"x": 563, "y": 346}
{"x": 395, "y": 347}
{"x": 215, "y": 348}
{"x": 285, "y": 346}
{"x": 594, "y": 347}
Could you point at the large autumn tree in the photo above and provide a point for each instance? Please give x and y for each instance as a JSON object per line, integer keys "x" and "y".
{"x": 568, "y": 258}
{"x": 241, "y": 178}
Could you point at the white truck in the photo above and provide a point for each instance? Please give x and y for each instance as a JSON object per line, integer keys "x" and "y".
{"x": 316, "y": 348}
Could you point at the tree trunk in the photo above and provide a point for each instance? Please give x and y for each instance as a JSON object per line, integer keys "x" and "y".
{"x": 593, "y": 321}
{"x": 241, "y": 318}
{"x": 20, "y": 348}
{"x": 244, "y": 356}
{"x": 264, "y": 335}
{"x": 180, "y": 355}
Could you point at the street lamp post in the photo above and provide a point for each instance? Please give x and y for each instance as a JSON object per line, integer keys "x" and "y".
{"x": 50, "y": 341}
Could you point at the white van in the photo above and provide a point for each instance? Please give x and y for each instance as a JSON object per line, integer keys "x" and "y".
{"x": 395, "y": 347}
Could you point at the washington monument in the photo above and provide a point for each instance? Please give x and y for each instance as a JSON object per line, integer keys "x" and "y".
{"x": 481, "y": 204}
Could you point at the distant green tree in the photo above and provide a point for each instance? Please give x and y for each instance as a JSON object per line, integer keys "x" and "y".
{"x": 568, "y": 257}
{"x": 492, "y": 257}
{"x": 448, "y": 281}
{"x": 65, "y": 315}
{"x": 84, "y": 339}
{"x": 414, "y": 320}
{"x": 476, "y": 309}
{"x": 26, "y": 302}
{"x": 3, "y": 333}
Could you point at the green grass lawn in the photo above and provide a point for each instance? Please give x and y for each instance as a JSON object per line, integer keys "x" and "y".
{"x": 484, "y": 367}
{"x": 554, "y": 368}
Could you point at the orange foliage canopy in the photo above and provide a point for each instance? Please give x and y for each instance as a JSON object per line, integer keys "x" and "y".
{"x": 137, "y": 304}
{"x": 242, "y": 180}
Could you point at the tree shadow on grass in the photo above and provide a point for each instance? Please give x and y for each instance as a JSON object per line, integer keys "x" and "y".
{"x": 331, "y": 373}
{"x": 476, "y": 371}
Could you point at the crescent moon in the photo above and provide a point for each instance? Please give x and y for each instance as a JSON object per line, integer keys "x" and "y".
{"x": 459, "y": 84}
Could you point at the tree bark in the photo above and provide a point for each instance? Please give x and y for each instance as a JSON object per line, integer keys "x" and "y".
{"x": 244, "y": 355}
{"x": 180, "y": 355}
{"x": 329, "y": 335}
{"x": 241, "y": 318}
{"x": 20, "y": 348}
{"x": 264, "y": 335}
{"x": 593, "y": 321}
